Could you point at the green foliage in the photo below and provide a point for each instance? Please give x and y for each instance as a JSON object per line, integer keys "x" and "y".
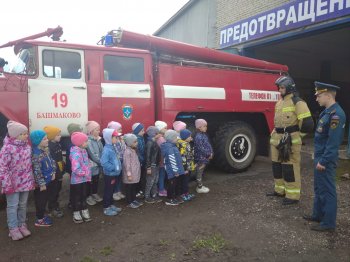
{"x": 88, "y": 259}
{"x": 213, "y": 243}
{"x": 163, "y": 242}
{"x": 106, "y": 251}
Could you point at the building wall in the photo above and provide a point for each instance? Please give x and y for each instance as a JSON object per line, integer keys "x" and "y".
{"x": 196, "y": 25}
{"x": 231, "y": 11}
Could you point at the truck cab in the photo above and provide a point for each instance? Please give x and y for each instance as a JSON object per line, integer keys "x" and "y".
{"x": 138, "y": 78}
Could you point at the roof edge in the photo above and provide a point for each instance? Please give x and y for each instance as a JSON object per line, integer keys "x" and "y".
{"x": 175, "y": 16}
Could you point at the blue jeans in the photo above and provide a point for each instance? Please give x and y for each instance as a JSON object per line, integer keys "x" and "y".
{"x": 161, "y": 180}
{"x": 16, "y": 209}
{"x": 118, "y": 184}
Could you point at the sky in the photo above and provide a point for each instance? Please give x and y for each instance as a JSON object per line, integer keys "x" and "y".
{"x": 82, "y": 21}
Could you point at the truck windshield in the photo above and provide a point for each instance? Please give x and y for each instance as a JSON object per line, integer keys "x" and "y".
{"x": 25, "y": 62}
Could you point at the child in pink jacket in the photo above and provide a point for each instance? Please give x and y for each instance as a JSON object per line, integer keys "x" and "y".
{"x": 80, "y": 177}
{"x": 16, "y": 178}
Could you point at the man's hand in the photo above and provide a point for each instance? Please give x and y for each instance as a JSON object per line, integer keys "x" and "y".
{"x": 319, "y": 167}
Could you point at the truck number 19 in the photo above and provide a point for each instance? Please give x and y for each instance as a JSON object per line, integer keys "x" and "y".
{"x": 60, "y": 99}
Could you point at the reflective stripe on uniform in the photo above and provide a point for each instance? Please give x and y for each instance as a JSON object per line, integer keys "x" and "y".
{"x": 296, "y": 140}
{"x": 304, "y": 115}
{"x": 288, "y": 109}
{"x": 293, "y": 191}
{"x": 279, "y": 187}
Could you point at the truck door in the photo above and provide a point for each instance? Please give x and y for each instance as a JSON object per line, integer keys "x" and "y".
{"x": 58, "y": 96}
{"x": 127, "y": 89}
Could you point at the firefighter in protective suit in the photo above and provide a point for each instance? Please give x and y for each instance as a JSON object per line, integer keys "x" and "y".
{"x": 292, "y": 121}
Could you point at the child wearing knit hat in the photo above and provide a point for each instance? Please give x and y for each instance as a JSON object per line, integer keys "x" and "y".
{"x": 94, "y": 150}
{"x": 16, "y": 178}
{"x": 120, "y": 147}
{"x": 138, "y": 129}
{"x": 173, "y": 167}
{"x": 112, "y": 170}
{"x": 162, "y": 127}
{"x": 203, "y": 153}
{"x": 71, "y": 128}
{"x": 179, "y": 125}
{"x": 44, "y": 168}
{"x": 80, "y": 177}
{"x": 152, "y": 165}
{"x": 131, "y": 170}
{"x": 186, "y": 151}
{"x": 54, "y": 136}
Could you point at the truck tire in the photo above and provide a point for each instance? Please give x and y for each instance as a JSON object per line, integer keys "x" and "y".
{"x": 234, "y": 146}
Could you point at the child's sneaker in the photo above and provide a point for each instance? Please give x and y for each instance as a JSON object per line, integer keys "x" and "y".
{"x": 180, "y": 200}
{"x": 191, "y": 196}
{"x": 44, "y": 222}
{"x": 185, "y": 197}
{"x": 202, "y": 189}
{"x": 133, "y": 205}
{"x": 171, "y": 202}
{"x": 97, "y": 198}
{"x": 24, "y": 230}
{"x": 116, "y": 196}
{"x": 109, "y": 212}
{"x": 118, "y": 209}
{"x": 149, "y": 200}
{"x": 77, "y": 217}
{"x": 121, "y": 195}
{"x": 139, "y": 203}
{"x": 15, "y": 234}
{"x": 162, "y": 193}
{"x": 157, "y": 199}
{"x": 91, "y": 201}
{"x": 140, "y": 195}
{"x": 56, "y": 213}
{"x": 86, "y": 215}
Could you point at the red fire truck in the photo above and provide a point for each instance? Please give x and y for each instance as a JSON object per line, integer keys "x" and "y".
{"x": 132, "y": 78}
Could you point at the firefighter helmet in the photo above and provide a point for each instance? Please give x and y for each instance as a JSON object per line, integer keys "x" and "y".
{"x": 287, "y": 82}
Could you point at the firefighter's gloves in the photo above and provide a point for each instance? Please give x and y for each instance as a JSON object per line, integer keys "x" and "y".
{"x": 285, "y": 147}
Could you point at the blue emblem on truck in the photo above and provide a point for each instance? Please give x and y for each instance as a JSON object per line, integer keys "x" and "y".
{"x": 127, "y": 111}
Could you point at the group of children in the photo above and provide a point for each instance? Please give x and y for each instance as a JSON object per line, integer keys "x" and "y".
{"x": 139, "y": 164}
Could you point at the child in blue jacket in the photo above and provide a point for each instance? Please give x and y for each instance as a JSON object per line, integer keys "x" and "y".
{"x": 173, "y": 166}
{"x": 112, "y": 167}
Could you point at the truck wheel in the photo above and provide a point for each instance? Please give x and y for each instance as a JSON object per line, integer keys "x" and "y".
{"x": 234, "y": 146}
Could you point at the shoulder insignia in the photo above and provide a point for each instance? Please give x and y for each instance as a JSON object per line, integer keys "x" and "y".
{"x": 335, "y": 117}
{"x": 334, "y": 121}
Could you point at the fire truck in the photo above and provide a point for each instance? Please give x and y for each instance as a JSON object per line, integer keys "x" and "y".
{"x": 130, "y": 77}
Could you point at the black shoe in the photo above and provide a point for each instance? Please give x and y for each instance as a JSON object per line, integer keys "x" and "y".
{"x": 322, "y": 229}
{"x": 310, "y": 218}
{"x": 274, "y": 194}
{"x": 288, "y": 201}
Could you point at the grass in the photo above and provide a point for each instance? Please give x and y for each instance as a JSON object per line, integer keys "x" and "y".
{"x": 106, "y": 251}
{"x": 88, "y": 259}
{"x": 214, "y": 243}
{"x": 163, "y": 242}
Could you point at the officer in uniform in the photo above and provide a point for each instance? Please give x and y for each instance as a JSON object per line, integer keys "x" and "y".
{"x": 328, "y": 137}
{"x": 292, "y": 121}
